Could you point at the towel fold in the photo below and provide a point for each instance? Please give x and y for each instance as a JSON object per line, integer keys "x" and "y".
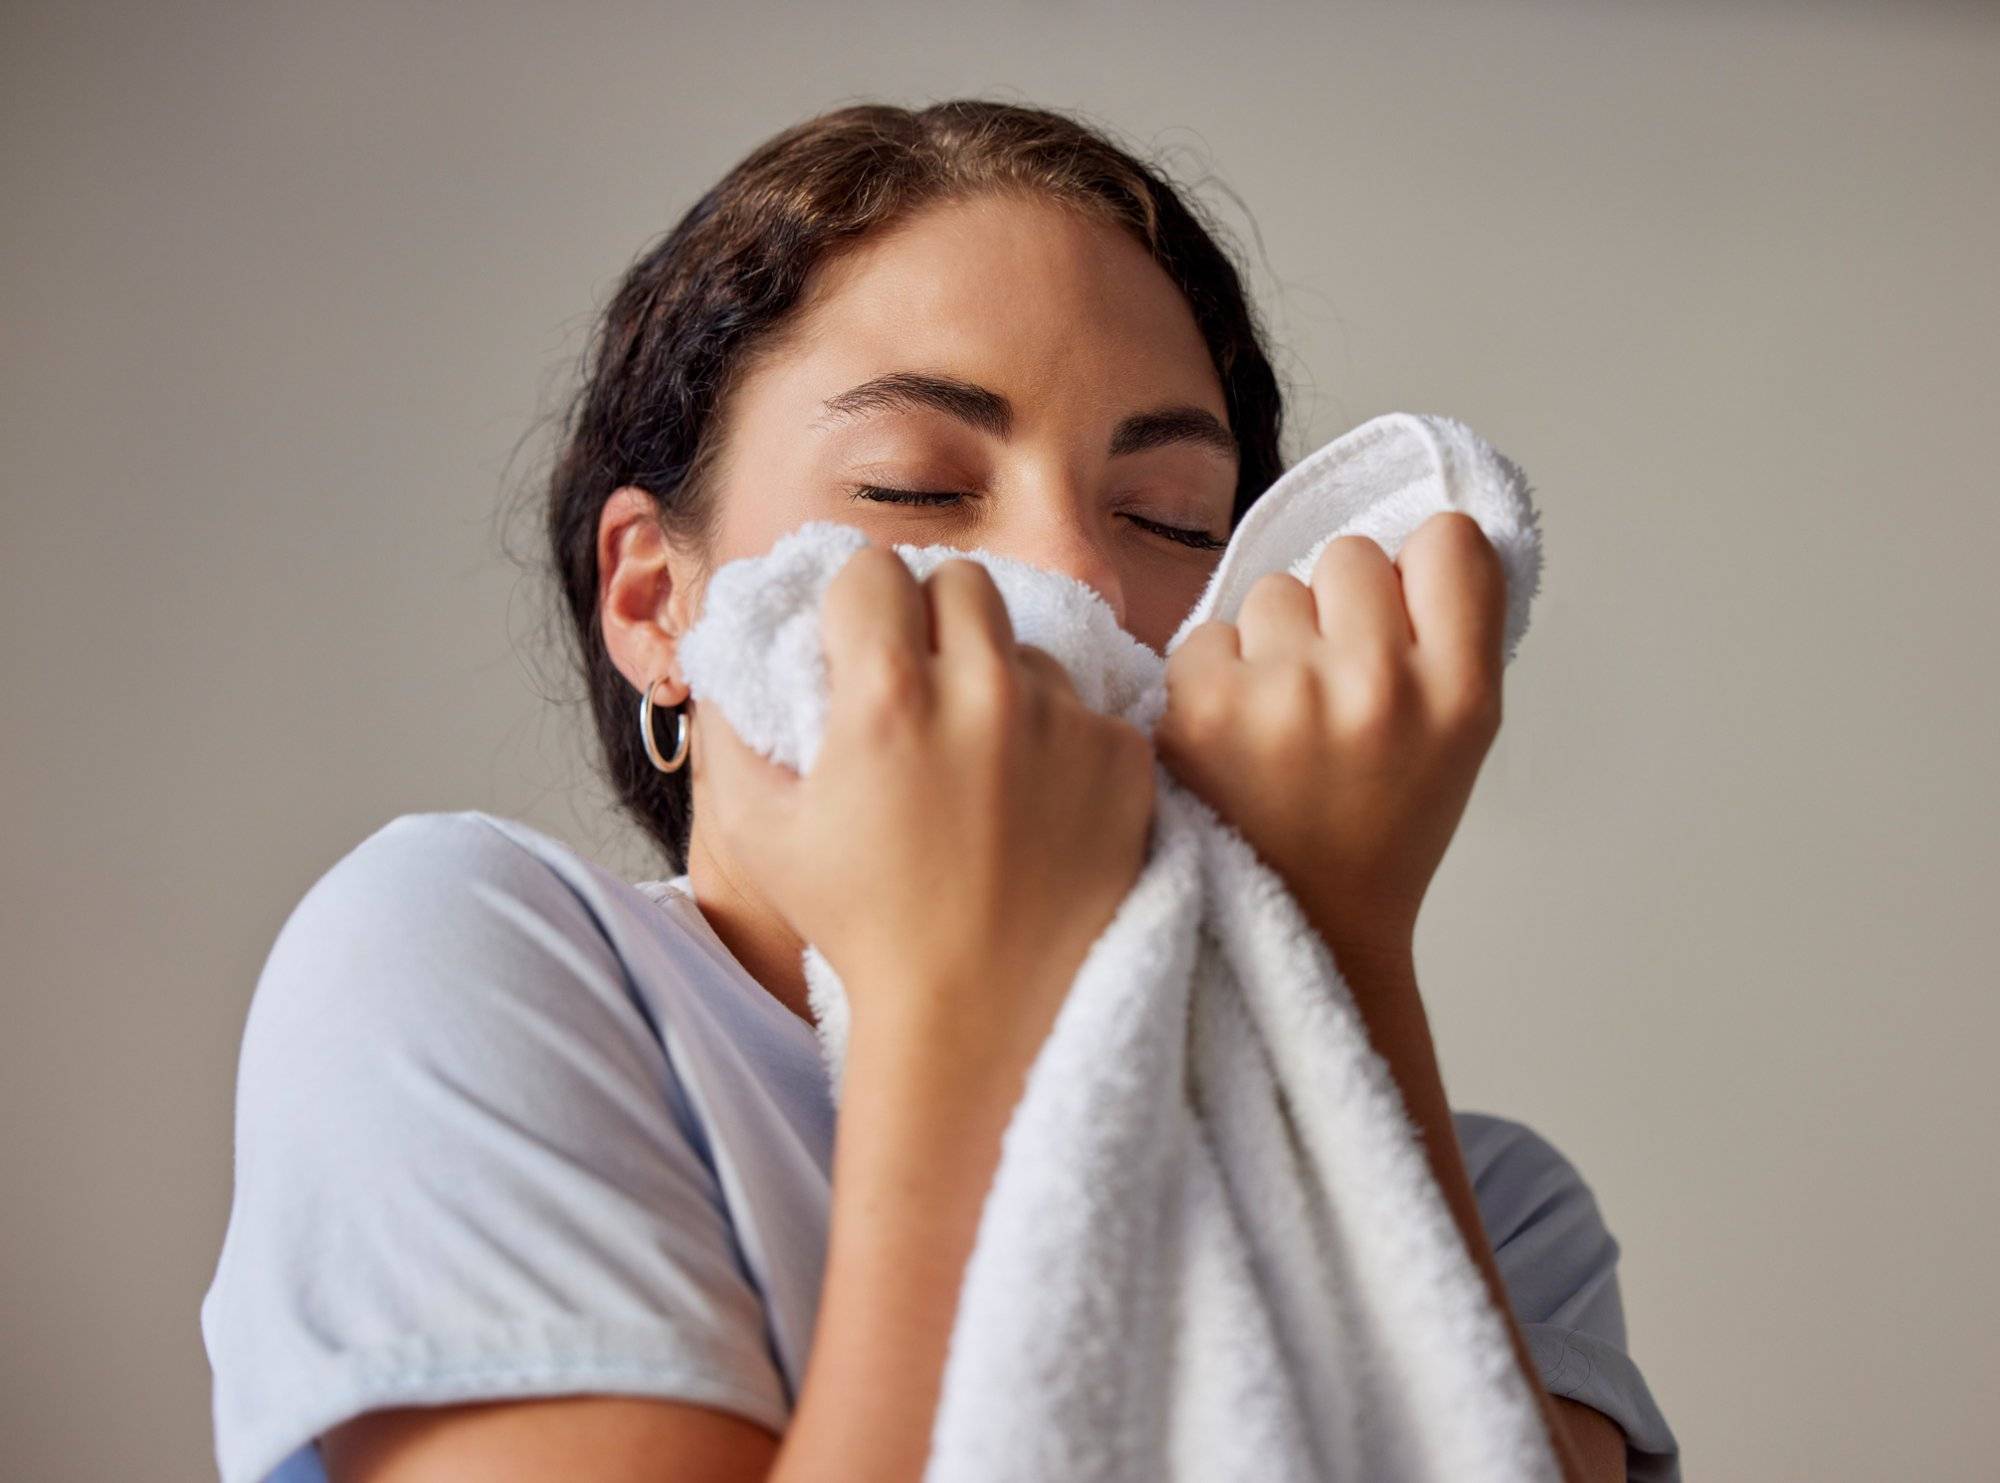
{"x": 1213, "y": 1248}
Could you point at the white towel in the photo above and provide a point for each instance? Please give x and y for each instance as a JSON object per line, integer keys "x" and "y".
{"x": 1213, "y": 1248}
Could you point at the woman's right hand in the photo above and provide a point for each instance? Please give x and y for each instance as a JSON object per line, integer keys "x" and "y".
{"x": 969, "y": 825}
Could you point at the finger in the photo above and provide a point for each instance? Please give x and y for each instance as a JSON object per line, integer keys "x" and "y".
{"x": 1218, "y": 635}
{"x": 1199, "y": 692}
{"x": 873, "y": 615}
{"x": 1276, "y": 618}
{"x": 1211, "y": 642}
{"x": 968, "y": 613}
{"x": 1199, "y": 663}
{"x": 1041, "y": 662}
{"x": 1359, "y": 594}
{"x": 1456, "y": 588}
{"x": 748, "y": 791}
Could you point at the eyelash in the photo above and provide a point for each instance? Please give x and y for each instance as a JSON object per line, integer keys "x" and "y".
{"x": 1200, "y": 540}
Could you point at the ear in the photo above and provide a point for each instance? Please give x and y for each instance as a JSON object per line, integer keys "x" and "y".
{"x": 645, "y": 588}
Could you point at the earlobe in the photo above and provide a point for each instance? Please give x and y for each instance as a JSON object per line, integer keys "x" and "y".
{"x": 672, "y": 684}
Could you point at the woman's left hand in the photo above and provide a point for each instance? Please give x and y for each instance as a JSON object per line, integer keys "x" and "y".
{"x": 1340, "y": 725}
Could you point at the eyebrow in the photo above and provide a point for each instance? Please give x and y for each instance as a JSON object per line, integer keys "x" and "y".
{"x": 990, "y": 412}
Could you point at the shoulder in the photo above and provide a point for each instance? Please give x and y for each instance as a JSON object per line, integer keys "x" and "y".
{"x": 429, "y": 930}
{"x": 434, "y": 855}
{"x": 466, "y": 1165}
{"x": 457, "y": 990}
{"x": 460, "y": 882}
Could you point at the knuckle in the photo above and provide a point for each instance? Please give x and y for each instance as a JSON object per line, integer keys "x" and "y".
{"x": 1290, "y": 692}
{"x": 1380, "y": 681}
{"x": 1042, "y": 664}
{"x": 1472, "y": 706}
{"x": 873, "y": 561}
{"x": 1456, "y": 524}
{"x": 1197, "y": 712}
{"x": 1217, "y": 644}
{"x": 1352, "y": 546}
{"x": 1458, "y": 534}
{"x": 886, "y": 677}
{"x": 1038, "y": 682}
{"x": 1273, "y": 584}
{"x": 1375, "y": 733}
{"x": 1275, "y": 599}
{"x": 967, "y": 578}
{"x": 963, "y": 569}
{"x": 1380, "y": 708}
{"x": 992, "y": 683}
{"x": 843, "y": 587}
{"x": 1185, "y": 664}
{"x": 1129, "y": 745}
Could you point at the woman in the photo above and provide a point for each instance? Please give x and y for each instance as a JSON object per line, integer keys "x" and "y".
{"x": 537, "y": 1176}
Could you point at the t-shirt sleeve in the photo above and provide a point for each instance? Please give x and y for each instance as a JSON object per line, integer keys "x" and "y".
{"x": 1559, "y": 1262}
{"x": 463, "y": 1169}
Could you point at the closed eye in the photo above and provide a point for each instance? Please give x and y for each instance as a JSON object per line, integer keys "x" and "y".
{"x": 1199, "y": 539}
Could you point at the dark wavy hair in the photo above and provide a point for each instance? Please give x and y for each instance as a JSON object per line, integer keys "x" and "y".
{"x": 689, "y": 314}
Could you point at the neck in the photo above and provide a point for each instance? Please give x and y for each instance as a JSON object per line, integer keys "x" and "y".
{"x": 756, "y": 936}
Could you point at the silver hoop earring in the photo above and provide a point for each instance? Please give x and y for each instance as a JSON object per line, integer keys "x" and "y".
{"x": 664, "y": 764}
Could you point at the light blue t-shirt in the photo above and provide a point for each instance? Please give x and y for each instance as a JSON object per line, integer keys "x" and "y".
{"x": 508, "y": 1125}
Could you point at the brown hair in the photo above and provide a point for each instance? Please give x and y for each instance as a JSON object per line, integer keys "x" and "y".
{"x": 684, "y": 321}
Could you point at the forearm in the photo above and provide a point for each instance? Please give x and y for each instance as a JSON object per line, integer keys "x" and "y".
{"x": 1384, "y": 983}
{"x": 916, "y": 1147}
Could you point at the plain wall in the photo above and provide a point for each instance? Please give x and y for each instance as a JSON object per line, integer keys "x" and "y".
{"x": 285, "y": 290}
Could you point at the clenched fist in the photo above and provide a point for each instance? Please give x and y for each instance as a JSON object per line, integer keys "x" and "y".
{"x": 1340, "y": 725}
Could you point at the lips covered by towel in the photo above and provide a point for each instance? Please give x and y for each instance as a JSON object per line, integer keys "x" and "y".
{"x": 1213, "y": 1248}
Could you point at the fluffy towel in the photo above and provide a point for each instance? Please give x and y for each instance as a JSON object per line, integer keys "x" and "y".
{"x": 1213, "y": 1248}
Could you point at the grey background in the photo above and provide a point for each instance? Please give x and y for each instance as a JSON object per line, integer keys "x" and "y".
{"x": 285, "y": 289}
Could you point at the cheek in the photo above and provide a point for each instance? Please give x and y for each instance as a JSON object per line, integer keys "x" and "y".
{"x": 1156, "y": 603}
{"x": 758, "y": 506}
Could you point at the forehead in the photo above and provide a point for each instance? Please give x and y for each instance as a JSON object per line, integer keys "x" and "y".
{"x": 1031, "y": 297}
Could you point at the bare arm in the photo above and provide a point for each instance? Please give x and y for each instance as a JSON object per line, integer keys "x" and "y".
{"x": 1589, "y": 1444}
{"x": 917, "y": 1144}
{"x": 1003, "y": 820}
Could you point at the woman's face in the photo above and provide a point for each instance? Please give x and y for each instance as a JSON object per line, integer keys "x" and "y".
{"x": 1036, "y": 369}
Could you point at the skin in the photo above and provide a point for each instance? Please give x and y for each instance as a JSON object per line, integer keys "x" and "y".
{"x": 931, "y": 298}
{"x": 1339, "y": 723}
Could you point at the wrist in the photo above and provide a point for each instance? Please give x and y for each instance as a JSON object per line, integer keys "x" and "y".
{"x": 918, "y": 1124}
{"x": 1378, "y": 952}
{"x": 935, "y": 1043}
{"x": 1354, "y": 914}
{"x": 1376, "y": 974}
